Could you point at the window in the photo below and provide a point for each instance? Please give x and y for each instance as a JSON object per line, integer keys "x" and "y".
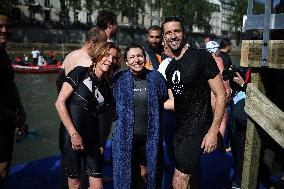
{"x": 89, "y": 17}
{"x": 47, "y": 3}
{"x": 143, "y": 20}
{"x": 17, "y": 1}
{"x": 46, "y": 15}
{"x": 76, "y": 14}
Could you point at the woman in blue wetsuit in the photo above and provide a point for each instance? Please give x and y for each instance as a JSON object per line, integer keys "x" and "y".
{"x": 137, "y": 137}
{"x": 78, "y": 105}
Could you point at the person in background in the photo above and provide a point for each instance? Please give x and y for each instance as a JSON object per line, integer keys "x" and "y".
{"x": 212, "y": 47}
{"x": 26, "y": 59}
{"x": 35, "y": 54}
{"x": 51, "y": 59}
{"x": 191, "y": 76}
{"x": 169, "y": 120}
{"x": 206, "y": 39}
{"x": 106, "y": 21}
{"x": 239, "y": 83}
{"x": 12, "y": 113}
{"x": 224, "y": 48}
{"x": 41, "y": 59}
{"x": 137, "y": 143}
{"x": 78, "y": 105}
{"x": 154, "y": 48}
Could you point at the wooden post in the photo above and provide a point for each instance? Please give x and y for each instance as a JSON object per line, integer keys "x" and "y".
{"x": 252, "y": 145}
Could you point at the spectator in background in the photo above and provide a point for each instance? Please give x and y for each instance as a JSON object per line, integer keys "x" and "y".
{"x": 212, "y": 47}
{"x": 206, "y": 39}
{"x": 154, "y": 48}
{"x": 41, "y": 60}
{"x": 26, "y": 59}
{"x": 51, "y": 59}
{"x": 106, "y": 21}
{"x": 224, "y": 48}
{"x": 35, "y": 54}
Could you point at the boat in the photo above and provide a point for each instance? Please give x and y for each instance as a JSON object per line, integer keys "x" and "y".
{"x": 37, "y": 69}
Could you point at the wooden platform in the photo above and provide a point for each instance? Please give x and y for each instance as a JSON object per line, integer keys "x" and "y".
{"x": 251, "y": 53}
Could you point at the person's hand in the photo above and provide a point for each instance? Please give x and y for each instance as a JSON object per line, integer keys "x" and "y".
{"x": 209, "y": 143}
{"x": 77, "y": 143}
{"x": 18, "y": 122}
{"x": 238, "y": 79}
{"x": 21, "y": 131}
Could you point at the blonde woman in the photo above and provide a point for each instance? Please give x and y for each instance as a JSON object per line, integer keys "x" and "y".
{"x": 78, "y": 105}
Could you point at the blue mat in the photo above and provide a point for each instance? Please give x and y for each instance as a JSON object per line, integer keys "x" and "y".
{"x": 216, "y": 171}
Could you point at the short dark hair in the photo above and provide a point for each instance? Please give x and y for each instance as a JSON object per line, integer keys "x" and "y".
{"x": 224, "y": 43}
{"x": 104, "y": 18}
{"x": 94, "y": 34}
{"x": 155, "y": 28}
{"x": 132, "y": 47}
{"x": 173, "y": 19}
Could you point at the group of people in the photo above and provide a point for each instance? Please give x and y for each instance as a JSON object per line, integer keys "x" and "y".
{"x": 170, "y": 93}
{"x": 93, "y": 92}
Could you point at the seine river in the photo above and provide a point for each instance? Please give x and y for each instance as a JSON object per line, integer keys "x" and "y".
{"x": 38, "y": 93}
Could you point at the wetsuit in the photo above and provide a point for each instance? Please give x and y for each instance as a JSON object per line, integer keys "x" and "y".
{"x": 140, "y": 125}
{"x": 226, "y": 59}
{"x": 83, "y": 106}
{"x": 188, "y": 78}
{"x": 10, "y": 103}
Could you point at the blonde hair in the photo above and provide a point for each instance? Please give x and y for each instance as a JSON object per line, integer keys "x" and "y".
{"x": 98, "y": 53}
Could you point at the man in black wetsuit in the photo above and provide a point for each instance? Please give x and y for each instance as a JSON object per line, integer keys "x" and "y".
{"x": 191, "y": 76}
{"x": 12, "y": 114}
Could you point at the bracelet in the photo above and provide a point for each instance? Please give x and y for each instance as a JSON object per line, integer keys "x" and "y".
{"x": 242, "y": 85}
{"x": 74, "y": 134}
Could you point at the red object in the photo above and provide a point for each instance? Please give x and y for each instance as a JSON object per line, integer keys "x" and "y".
{"x": 37, "y": 69}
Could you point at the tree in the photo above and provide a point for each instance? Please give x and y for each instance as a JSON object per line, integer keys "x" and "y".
{"x": 240, "y": 9}
{"x": 192, "y": 12}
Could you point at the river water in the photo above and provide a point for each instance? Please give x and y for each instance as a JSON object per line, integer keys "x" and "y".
{"x": 38, "y": 93}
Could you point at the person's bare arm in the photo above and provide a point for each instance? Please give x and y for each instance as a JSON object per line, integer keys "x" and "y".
{"x": 169, "y": 104}
{"x": 60, "y": 105}
{"x": 209, "y": 142}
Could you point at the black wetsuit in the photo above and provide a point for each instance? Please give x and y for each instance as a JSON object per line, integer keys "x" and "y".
{"x": 83, "y": 106}
{"x": 140, "y": 127}
{"x": 226, "y": 59}
{"x": 188, "y": 78}
{"x": 9, "y": 103}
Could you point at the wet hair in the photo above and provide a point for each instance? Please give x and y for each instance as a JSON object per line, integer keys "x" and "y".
{"x": 94, "y": 34}
{"x": 173, "y": 19}
{"x": 133, "y": 46}
{"x": 98, "y": 53}
{"x": 104, "y": 18}
{"x": 155, "y": 28}
{"x": 224, "y": 43}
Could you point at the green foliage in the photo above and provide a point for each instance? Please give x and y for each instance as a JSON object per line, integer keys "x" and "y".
{"x": 192, "y": 12}
{"x": 240, "y": 9}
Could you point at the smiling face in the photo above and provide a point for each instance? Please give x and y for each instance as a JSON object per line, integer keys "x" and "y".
{"x": 135, "y": 60}
{"x": 4, "y": 30}
{"x": 174, "y": 35}
{"x": 108, "y": 61}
